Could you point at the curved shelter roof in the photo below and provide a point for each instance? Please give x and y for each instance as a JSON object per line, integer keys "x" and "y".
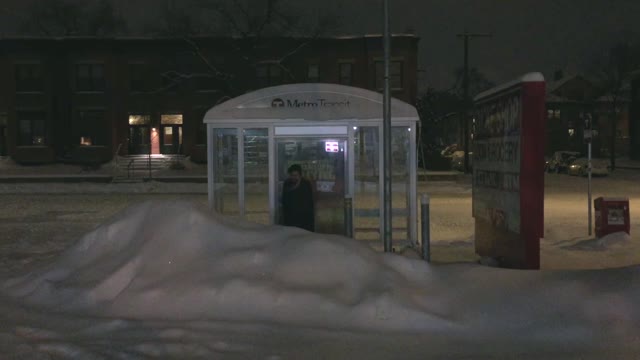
{"x": 311, "y": 102}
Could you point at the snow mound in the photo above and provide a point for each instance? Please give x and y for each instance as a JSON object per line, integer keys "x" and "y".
{"x": 176, "y": 261}
{"x": 603, "y": 243}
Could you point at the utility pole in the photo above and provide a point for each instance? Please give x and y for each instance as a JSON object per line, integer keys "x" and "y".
{"x": 386, "y": 134}
{"x": 466, "y": 101}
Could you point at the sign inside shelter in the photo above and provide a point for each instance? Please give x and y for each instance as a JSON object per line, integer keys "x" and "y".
{"x": 331, "y": 147}
{"x": 319, "y": 170}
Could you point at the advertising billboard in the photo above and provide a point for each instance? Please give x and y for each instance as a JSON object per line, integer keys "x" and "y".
{"x": 508, "y": 172}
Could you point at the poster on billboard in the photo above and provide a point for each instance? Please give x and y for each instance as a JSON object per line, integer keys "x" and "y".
{"x": 508, "y": 183}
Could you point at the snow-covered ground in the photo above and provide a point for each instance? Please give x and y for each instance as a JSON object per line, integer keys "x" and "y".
{"x": 149, "y": 274}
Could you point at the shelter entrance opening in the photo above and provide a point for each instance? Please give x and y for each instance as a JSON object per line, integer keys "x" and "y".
{"x": 324, "y": 166}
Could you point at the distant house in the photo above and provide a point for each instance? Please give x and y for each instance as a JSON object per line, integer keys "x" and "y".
{"x": 569, "y": 100}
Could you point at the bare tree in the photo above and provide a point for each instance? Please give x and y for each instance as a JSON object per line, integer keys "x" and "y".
{"x": 253, "y": 31}
{"x": 478, "y": 82}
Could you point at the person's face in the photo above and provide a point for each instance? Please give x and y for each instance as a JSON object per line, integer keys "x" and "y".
{"x": 295, "y": 176}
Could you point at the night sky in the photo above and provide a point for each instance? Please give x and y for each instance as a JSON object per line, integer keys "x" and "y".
{"x": 528, "y": 35}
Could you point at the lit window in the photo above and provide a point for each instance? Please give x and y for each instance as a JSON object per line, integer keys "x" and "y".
{"x": 31, "y": 128}
{"x": 173, "y": 119}
{"x": 139, "y": 119}
{"x": 553, "y": 114}
{"x": 572, "y": 132}
{"x": 92, "y": 127}
{"x": 168, "y": 135}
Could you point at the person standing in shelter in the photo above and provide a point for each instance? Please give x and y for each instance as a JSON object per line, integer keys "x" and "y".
{"x": 297, "y": 200}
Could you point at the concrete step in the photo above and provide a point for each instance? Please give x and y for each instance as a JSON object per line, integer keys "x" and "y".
{"x": 126, "y": 180}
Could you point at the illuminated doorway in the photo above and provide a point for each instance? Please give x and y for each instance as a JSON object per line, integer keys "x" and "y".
{"x": 139, "y": 134}
{"x": 171, "y": 134}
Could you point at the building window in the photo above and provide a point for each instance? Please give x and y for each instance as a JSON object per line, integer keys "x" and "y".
{"x": 571, "y": 132}
{"x": 346, "y": 73}
{"x": 138, "y": 77}
{"x": 553, "y": 114}
{"x": 313, "y": 73}
{"x": 90, "y": 77}
{"x": 31, "y": 125}
{"x": 29, "y": 78}
{"x": 395, "y": 75}
{"x": 91, "y": 128}
{"x": 139, "y": 119}
{"x": 268, "y": 74}
{"x": 172, "y": 119}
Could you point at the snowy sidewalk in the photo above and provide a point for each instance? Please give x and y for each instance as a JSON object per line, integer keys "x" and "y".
{"x": 11, "y": 172}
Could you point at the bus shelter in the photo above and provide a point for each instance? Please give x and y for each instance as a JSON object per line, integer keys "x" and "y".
{"x": 334, "y": 133}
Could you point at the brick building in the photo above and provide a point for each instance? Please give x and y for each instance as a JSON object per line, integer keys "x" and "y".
{"x": 82, "y": 100}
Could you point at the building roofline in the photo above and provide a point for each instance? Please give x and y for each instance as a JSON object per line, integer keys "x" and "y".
{"x": 202, "y": 37}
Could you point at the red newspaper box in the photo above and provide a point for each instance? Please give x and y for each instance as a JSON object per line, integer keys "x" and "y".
{"x": 612, "y": 215}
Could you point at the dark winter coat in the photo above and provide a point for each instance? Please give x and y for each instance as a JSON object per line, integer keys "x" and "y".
{"x": 297, "y": 205}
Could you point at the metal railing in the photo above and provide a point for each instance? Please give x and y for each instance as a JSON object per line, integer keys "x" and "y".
{"x": 117, "y": 155}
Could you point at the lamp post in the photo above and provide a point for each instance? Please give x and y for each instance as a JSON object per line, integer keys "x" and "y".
{"x": 386, "y": 134}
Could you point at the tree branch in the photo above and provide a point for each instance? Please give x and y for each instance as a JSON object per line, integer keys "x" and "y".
{"x": 217, "y": 73}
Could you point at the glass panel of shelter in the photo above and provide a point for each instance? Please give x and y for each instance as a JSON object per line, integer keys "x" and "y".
{"x": 256, "y": 175}
{"x": 225, "y": 170}
{"x": 368, "y": 186}
{"x": 400, "y": 182}
{"x": 366, "y": 200}
{"x": 326, "y": 171}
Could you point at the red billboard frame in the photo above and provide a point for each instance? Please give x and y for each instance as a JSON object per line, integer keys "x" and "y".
{"x": 508, "y": 172}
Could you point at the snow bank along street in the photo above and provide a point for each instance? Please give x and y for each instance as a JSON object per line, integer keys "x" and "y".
{"x": 173, "y": 284}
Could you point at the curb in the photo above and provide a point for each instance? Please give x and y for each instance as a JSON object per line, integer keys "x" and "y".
{"x": 165, "y": 179}
{"x": 56, "y": 179}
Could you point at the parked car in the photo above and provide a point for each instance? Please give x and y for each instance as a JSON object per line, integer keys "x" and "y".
{"x": 457, "y": 160}
{"x": 560, "y": 161}
{"x": 449, "y": 150}
{"x": 579, "y": 167}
